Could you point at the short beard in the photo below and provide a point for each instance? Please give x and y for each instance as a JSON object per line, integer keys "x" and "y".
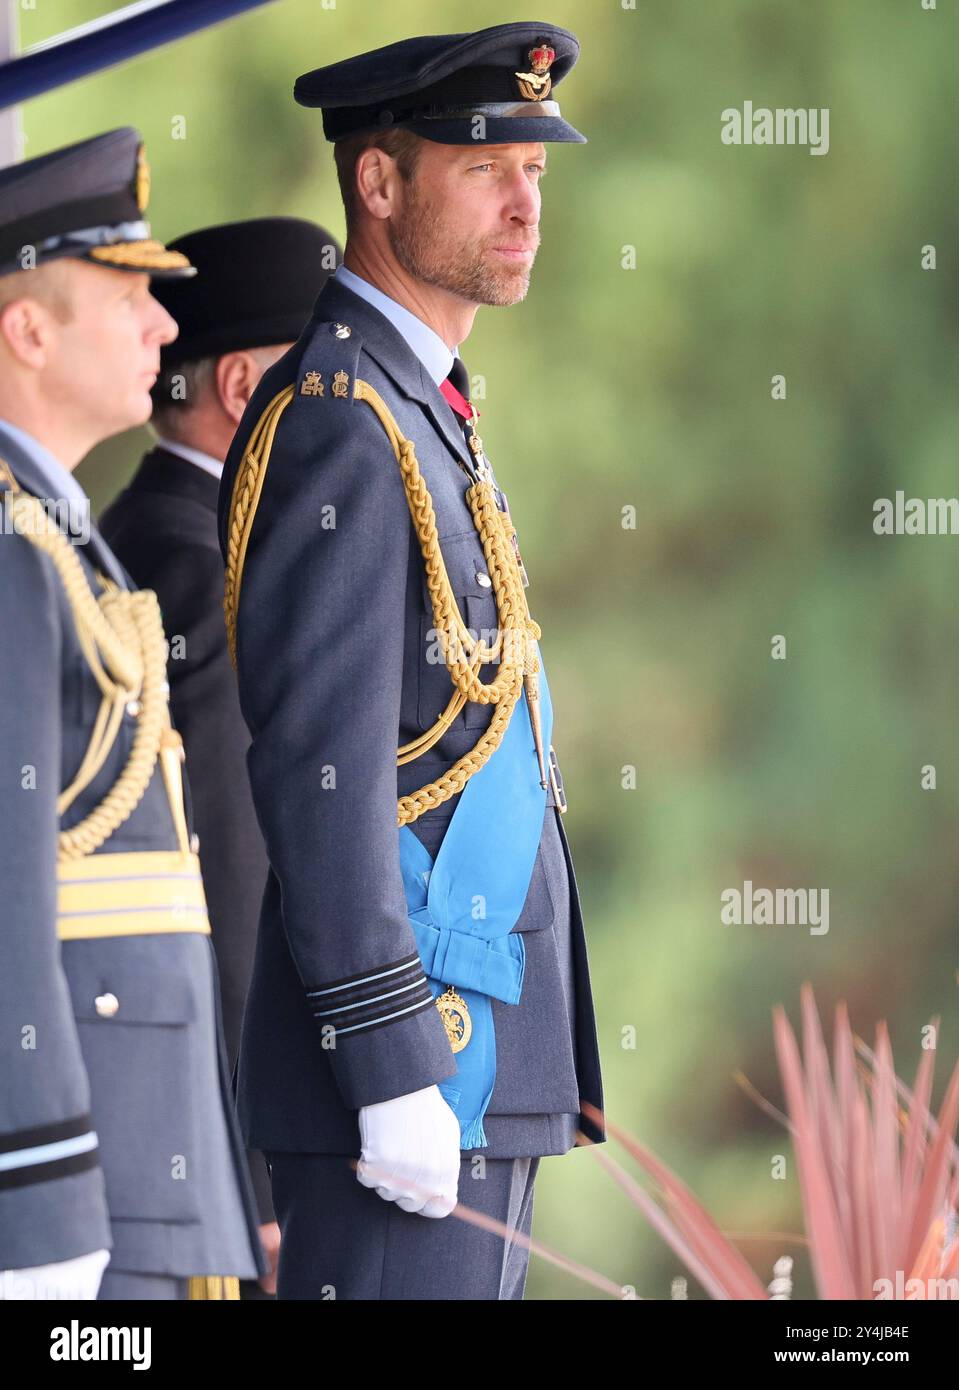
{"x": 423, "y": 252}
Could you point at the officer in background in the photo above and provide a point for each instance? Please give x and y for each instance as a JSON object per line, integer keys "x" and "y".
{"x": 117, "y": 1132}
{"x": 420, "y": 996}
{"x": 253, "y": 293}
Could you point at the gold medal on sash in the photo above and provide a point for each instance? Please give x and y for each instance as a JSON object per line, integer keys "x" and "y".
{"x": 456, "y": 1018}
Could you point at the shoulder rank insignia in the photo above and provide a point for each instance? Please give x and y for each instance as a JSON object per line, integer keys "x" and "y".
{"x": 312, "y": 384}
{"x": 341, "y": 384}
{"x": 535, "y": 85}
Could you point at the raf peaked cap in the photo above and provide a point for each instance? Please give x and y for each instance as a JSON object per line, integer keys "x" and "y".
{"x": 437, "y": 85}
{"x": 256, "y": 285}
{"x": 85, "y": 200}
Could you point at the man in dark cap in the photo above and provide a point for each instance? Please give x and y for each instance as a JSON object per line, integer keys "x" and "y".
{"x": 420, "y": 997}
{"x": 117, "y": 1133}
{"x": 255, "y": 289}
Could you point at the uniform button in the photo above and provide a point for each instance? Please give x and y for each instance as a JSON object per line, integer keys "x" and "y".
{"x": 341, "y": 330}
{"x": 194, "y": 844}
{"x": 133, "y": 708}
{"x": 483, "y": 579}
{"x": 106, "y": 1005}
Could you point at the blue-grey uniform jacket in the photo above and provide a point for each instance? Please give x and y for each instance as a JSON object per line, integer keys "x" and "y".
{"x": 334, "y": 669}
{"x": 162, "y": 528}
{"x": 116, "y": 1122}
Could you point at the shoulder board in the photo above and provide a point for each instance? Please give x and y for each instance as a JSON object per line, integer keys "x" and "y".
{"x": 328, "y": 364}
{"x": 325, "y": 379}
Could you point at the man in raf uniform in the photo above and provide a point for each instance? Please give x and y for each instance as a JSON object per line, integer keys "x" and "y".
{"x": 116, "y": 1127}
{"x": 420, "y": 996}
{"x": 254, "y": 290}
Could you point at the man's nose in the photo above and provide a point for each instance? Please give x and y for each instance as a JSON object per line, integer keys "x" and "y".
{"x": 163, "y": 325}
{"x": 524, "y": 200}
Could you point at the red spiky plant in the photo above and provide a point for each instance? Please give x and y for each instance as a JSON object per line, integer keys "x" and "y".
{"x": 879, "y": 1182}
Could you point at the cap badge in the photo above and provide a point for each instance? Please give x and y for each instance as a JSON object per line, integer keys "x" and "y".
{"x": 142, "y": 179}
{"x": 535, "y": 85}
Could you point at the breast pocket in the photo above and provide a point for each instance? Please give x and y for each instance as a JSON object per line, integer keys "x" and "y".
{"x": 136, "y": 1036}
{"x": 473, "y": 590}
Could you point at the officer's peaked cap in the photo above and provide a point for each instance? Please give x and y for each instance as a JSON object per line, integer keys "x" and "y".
{"x": 437, "y": 85}
{"x": 85, "y": 200}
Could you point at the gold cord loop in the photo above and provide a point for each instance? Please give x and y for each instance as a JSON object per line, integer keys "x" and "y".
{"x": 464, "y": 654}
{"x": 121, "y": 637}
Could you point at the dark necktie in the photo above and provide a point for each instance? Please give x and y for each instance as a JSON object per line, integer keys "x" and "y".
{"x": 460, "y": 377}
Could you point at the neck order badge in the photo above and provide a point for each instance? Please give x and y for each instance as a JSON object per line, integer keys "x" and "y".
{"x": 464, "y": 906}
{"x": 456, "y": 391}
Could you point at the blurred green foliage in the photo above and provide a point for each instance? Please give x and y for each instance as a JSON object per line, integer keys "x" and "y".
{"x": 650, "y": 387}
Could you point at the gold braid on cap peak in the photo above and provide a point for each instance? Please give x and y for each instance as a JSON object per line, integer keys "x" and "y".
{"x": 145, "y": 255}
{"x": 464, "y": 654}
{"x": 121, "y": 637}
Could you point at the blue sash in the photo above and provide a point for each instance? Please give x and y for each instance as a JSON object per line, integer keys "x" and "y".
{"x": 464, "y": 906}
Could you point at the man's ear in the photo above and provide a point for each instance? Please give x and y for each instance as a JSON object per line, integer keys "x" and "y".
{"x": 376, "y": 179}
{"x": 28, "y": 329}
{"x": 237, "y": 377}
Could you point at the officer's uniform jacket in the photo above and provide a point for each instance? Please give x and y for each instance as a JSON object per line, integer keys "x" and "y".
{"x": 333, "y": 659}
{"x": 162, "y": 528}
{"x": 113, "y": 1074}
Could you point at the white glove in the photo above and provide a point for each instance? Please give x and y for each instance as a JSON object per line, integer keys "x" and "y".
{"x": 78, "y": 1278}
{"x": 412, "y": 1146}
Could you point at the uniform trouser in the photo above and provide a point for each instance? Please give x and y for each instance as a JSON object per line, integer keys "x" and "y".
{"x": 340, "y": 1239}
{"x": 119, "y": 1286}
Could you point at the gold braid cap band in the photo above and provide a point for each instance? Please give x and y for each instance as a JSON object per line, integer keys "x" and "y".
{"x": 464, "y": 655}
{"x": 139, "y": 255}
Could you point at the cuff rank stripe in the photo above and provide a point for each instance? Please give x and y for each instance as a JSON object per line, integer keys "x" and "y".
{"x": 369, "y": 1000}
{"x": 47, "y": 1152}
{"x": 342, "y": 999}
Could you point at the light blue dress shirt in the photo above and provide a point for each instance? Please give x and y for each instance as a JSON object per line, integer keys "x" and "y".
{"x": 60, "y": 481}
{"x": 429, "y": 347}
